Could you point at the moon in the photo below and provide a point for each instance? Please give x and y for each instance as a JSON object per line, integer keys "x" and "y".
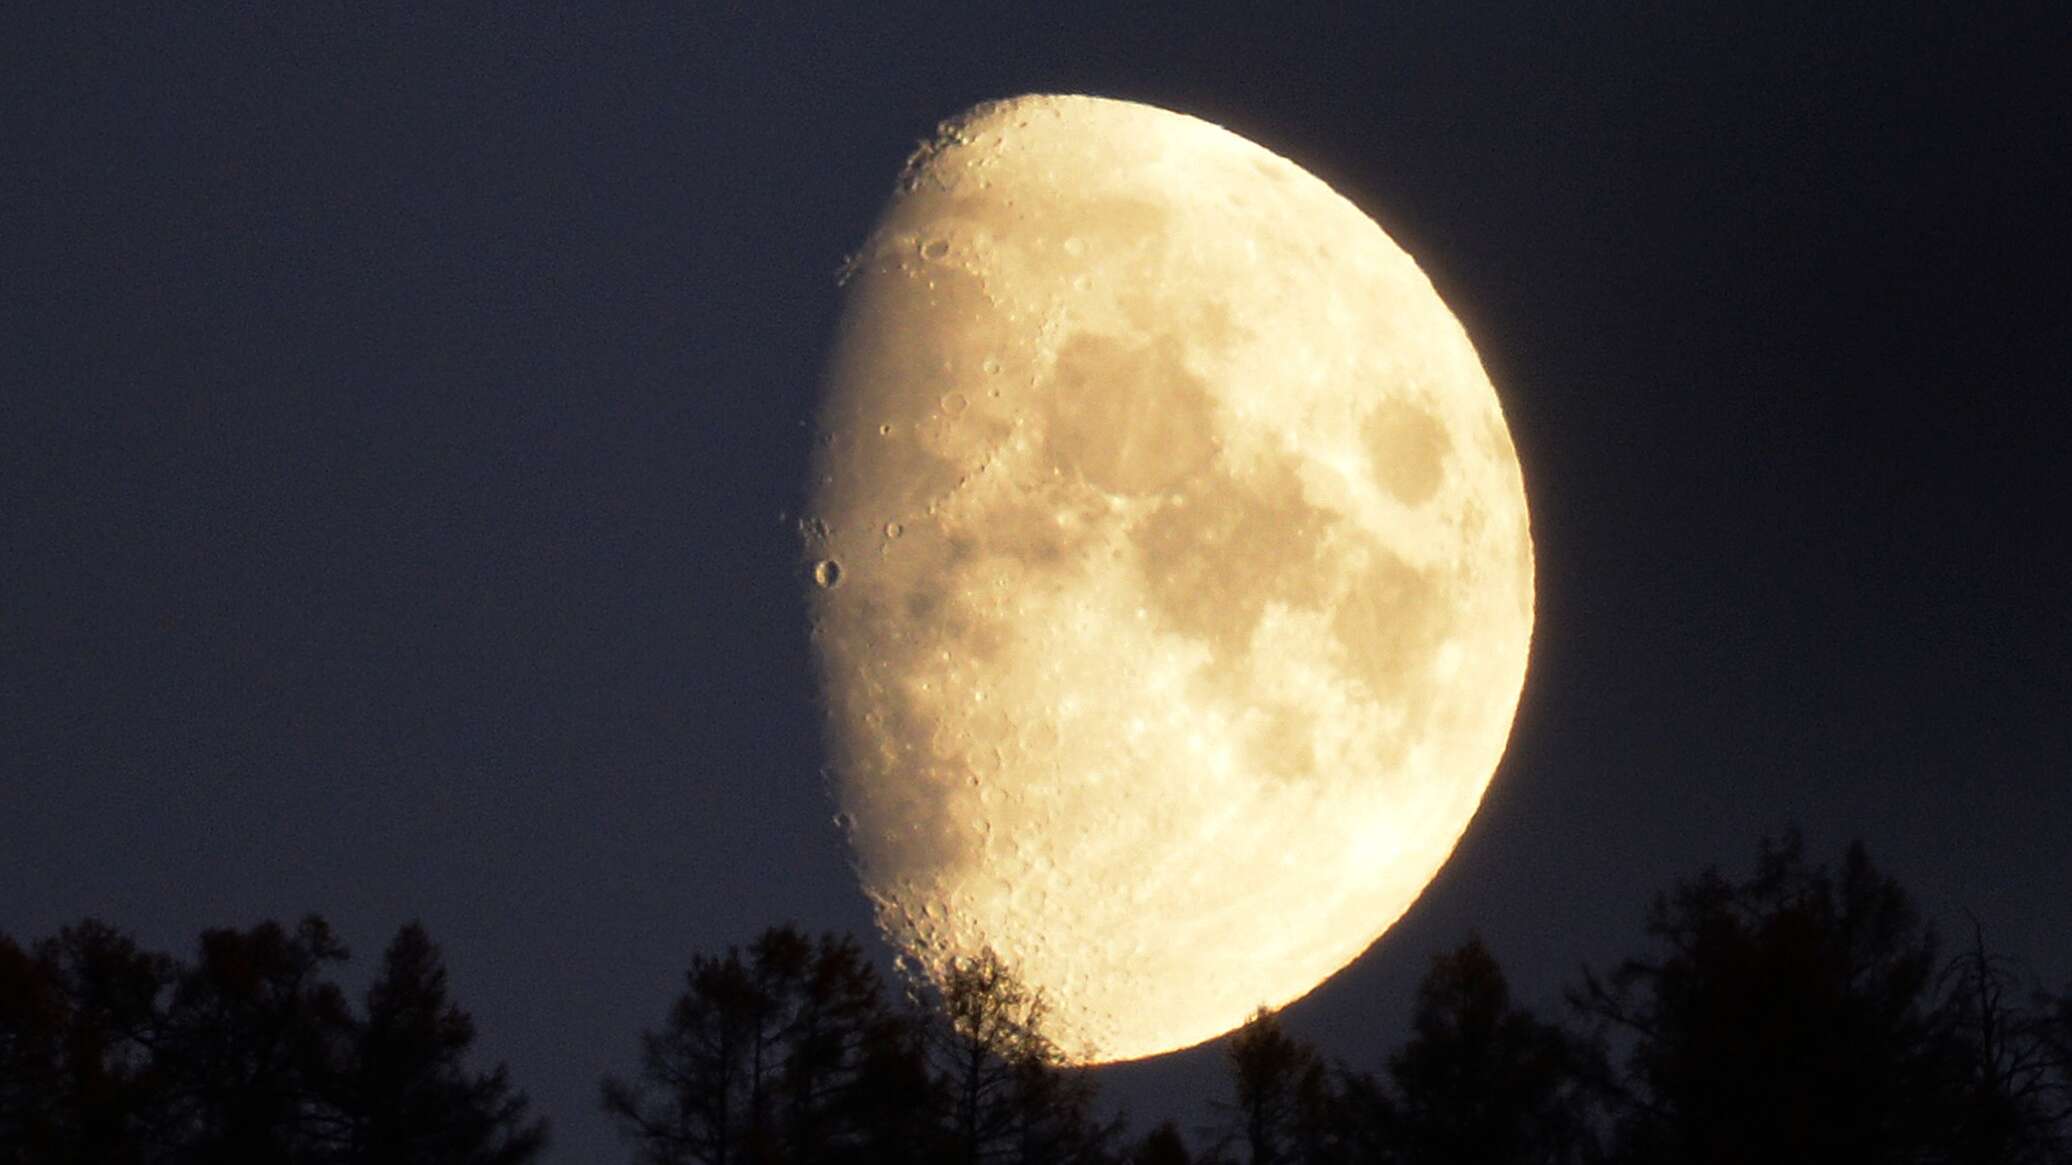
{"x": 1171, "y": 583}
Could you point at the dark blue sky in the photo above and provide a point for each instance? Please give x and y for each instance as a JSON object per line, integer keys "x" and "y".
{"x": 402, "y": 420}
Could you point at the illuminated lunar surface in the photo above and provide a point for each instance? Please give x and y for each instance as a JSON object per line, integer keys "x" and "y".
{"x": 1172, "y": 584}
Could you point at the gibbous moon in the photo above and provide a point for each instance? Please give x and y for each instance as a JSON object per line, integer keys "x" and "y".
{"x": 1170, "y": 574}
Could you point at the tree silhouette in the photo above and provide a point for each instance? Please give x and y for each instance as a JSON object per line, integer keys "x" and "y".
{"x": 33, "y": 1018}
{"x": 408, "y": 1097}
{"x": 789, "y": 1052}
{"x": 841, "y": 1047}
{"x": 694, "y": 1098}
{"x": 111, "y": 1055}
{"x": 1481, "y": 1081}
{"x": 79, "y": 1018}
{"x": 1363, "y": 1121}
{"x": 1279, "y": 1099}
{"x": 889, "y": 1105}
{"x": 1786, "y": 1017}
{"x": 1009, "y": 1094}
{"x": 2014, "y": 1097}
{"x": 1163, "y": 1145}
{"x": 1799, "y": 1013}
{"x": 253, "y": 1039}
{"x": 2054, "y": 1032}
{"x": 780, "y": 1054}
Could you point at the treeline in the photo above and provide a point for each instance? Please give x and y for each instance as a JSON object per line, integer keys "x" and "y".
{"x": 113, "y": 1055}
{"x": 1799, "y": 1013}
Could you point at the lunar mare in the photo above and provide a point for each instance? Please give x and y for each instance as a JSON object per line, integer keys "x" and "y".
{"x": 1172, "y": 577}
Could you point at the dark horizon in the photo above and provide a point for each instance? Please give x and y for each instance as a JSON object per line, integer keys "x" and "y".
{"x": 1796, "y": 1007}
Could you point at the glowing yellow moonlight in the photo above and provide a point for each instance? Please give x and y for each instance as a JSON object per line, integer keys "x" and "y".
{"x": 1174, "y": 582}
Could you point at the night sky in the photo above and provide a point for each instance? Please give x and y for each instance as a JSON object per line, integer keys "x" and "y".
{"x": 403, "y": 426}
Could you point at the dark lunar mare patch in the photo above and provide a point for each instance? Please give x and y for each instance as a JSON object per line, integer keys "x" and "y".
{"x": 1390, "y": 625}
{"x": 1222, "y": 548}
{"x": 1127, "y": 418}
{"x": 1409, "y": 447}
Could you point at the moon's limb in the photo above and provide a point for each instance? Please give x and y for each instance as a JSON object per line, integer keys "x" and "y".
{"x": 1184, "y": 582}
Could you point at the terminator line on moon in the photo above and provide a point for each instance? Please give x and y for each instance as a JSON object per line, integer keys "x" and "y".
{"x": 1174, "y": 584}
